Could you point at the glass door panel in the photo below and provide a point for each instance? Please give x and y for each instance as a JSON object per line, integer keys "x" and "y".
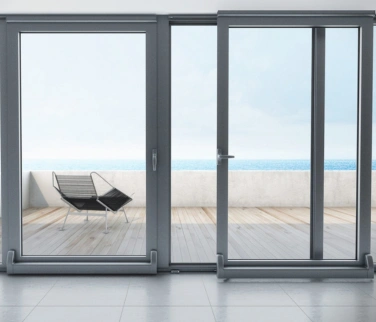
{"x": 341, "y": 109}
{"x": 193, "y": 139}
{"x": 269, "y": 134}
{"x": 83, "y": 105}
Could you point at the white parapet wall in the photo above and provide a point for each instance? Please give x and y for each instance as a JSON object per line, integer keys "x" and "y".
{"x": 26, "y": 189}
{"x": 198, "y": 188}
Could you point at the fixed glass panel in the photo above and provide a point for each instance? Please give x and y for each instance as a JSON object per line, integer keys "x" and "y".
{"x": 269, "y": 134}
{"x": 193, "y": 143}
{"x": 83, "y": 110}
{"x": 341, "y": 86}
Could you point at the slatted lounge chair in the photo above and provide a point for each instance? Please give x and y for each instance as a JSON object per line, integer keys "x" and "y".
{"x": 80, "y": 193}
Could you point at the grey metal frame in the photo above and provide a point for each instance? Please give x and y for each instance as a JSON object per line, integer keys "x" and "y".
{"x": 164, "y": 145}
{"x": 362, "y": 266}
{"x": 11, "y": 145}
{"x": 317, "y": 144}
{"x": 374, "y": 27}
{"x": 4, "y": 219}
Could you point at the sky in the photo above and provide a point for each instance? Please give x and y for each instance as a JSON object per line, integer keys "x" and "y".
{"x": 83, "y": 95}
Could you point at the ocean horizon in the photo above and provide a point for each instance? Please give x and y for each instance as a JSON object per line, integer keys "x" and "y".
{"x": 235, "y": 164}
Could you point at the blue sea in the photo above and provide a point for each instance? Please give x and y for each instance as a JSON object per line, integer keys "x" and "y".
{"x": 236, "y": 164}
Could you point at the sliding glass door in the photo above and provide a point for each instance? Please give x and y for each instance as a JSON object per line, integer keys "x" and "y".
{"x": 291, "y": 156}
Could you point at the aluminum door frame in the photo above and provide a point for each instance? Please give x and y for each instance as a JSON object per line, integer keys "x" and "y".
{"x": 16, "y": 263}
{"x": 362, "y": 266}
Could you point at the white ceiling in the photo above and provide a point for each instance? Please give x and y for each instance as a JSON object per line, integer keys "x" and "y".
{"x": 176, "y": 6}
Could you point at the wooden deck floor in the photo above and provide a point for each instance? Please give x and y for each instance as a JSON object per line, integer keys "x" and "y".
{"x": 254, "y": 233}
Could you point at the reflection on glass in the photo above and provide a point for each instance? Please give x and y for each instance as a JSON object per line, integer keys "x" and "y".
{"x": 193, "y": 142}
{"x": 341, "y": 81}
{"x": 83, "y": 110}
{"x": 269, "y": 134}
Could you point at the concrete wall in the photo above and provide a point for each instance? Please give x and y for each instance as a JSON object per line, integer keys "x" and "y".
{"x": 26, "y": 175}
{"x": 198, "y": 188}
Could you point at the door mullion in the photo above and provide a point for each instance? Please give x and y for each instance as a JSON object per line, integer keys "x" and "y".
{"x": 317, "y": 144}
{"x": 222, "y": 138}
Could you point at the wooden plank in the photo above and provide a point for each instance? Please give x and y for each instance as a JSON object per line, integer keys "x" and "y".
{"x": 190, "y": 239}
{"x": 211, "y": 215}
{"x": 242, "y": 238}
{"x": 75, "y": 228}
{"x": 264, "y": 233}
{"x": 273, "y": 235}
{"x": 132, "y": 214}
{"x": 108, "y": 239}
{"x": 140, "y": 246}
{"x": 129, "y": 241}
{"x": 208, "y": 231}
{"x": 203, "y": 248}
{"x": 176, "y": 256}
{"x": 185, "y": 255}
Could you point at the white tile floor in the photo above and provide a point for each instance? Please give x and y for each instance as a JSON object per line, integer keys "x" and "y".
{"x": 183, "y": 297}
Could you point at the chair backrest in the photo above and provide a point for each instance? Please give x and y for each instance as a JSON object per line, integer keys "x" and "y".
{"x": 76, "y": 186}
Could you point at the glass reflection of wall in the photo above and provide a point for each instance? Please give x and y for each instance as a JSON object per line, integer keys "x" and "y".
{"x": 83, "y": 109}
{"x": 193, "y": 143}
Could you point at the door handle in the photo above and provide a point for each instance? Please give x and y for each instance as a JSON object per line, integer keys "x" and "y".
{"x": 221, "y": 156}
{"x": 154, "y": 159}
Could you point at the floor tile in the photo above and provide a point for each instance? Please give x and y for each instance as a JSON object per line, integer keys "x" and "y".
{"x": 13, "y": 313}
{"x": 264, "y": 314}
{"x": 328, "y": 294}
{"x": 170, "y": 314}
{"x": 246, "y": 293}
{"x": 341, "y": 314}
{"x": 73, "y": 314}
{"x": 88, "y": 291}
{"x": 167, "y": 289}
{"x": 368, "y": 287}
{"x": 24, "y": 290}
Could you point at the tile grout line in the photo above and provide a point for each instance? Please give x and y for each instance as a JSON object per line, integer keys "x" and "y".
{"x": 359, "y": 288}
{"x": 41, "y": 299}
{"x": 207, "y": 295}
{"x": 126, "y": 295}
{"x": 294, "y": 302}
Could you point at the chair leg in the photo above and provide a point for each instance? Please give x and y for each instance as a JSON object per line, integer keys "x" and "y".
{"x": 87, "y": 216}
{"x": 126, "y": 218}
{"x": 106, "y": 231}
{"x": 62, "y": 228}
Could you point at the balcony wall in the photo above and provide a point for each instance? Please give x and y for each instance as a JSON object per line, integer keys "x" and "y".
{"x": 198, "y": 188}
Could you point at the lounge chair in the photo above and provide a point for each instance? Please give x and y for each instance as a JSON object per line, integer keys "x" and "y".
{"x": 80, "y": 193}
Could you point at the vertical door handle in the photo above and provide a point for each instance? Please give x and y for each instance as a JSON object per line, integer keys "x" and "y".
{"x": 154, "y": 159}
